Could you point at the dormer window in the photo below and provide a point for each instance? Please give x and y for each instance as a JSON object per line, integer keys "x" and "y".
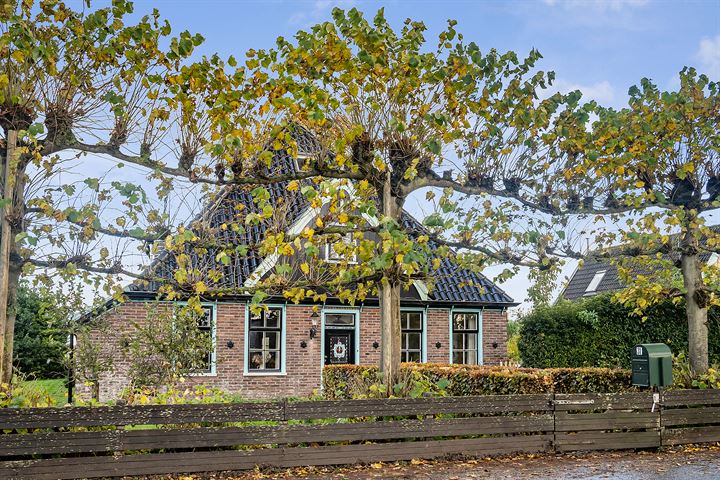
{"x": 595, "y": 282}
{"x": 337, "y": 252}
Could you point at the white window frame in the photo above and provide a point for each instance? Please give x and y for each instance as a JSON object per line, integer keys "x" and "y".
{"x": 283, "y": 344}
{"x": 212, "y": 371}
{"x": 423, "y": 333}
{"x": 595, "y": 282}
{"x": 479, "y": 353}
{"x": 347, "y": 238}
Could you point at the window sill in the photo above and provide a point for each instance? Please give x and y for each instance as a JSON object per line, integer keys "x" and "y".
{"x": 264, "y": 374}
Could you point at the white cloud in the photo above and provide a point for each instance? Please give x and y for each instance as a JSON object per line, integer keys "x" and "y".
{"x": 603, "y": 5}
{"x": 708, "y": 55}
{"x": 319, "y": 10}
{"x": 602, "y": 92}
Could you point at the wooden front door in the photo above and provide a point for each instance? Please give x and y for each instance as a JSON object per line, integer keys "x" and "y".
{"x": 339, "y": 347}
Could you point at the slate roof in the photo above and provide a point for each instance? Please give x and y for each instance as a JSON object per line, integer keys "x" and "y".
{"x": 580, "y": 280}
{"x": 453, "y": 284}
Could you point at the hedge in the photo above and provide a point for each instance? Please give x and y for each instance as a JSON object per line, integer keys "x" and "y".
{"x": 353, "y": 381}
{"x": 598, "y": 332}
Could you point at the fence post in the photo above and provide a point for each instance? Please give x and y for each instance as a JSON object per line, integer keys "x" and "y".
{"x": 554, "y": 416}
{"x": 661, "y": 427}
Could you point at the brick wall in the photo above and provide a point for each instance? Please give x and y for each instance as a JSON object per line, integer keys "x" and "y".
{"x": 494, "y": 332}
{"x": 303, "y": 364}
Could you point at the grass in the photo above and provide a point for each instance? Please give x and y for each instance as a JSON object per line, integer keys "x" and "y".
{"x": 55, "y": 388}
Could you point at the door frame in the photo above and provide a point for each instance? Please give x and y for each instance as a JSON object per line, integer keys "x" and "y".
{"x": 354, "y": 311}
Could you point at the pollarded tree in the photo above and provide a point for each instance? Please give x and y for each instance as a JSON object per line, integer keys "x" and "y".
{"x": 384, "y": 112}
{"x": 83, "y": 82}
{"x": 388, "y": 112}
{"x": 661, "y": 156}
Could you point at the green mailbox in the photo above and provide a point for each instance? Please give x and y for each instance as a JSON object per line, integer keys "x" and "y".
{"x": 651, "y": 365}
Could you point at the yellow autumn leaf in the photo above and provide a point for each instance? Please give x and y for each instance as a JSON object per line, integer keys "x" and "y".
{"x": 200, "y": 287}
{"x": 305, "y": 268}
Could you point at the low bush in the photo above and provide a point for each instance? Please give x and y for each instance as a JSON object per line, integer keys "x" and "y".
{"x": 684, "y": 378}
{"x": 416, "y": 380}
{"x": 598, "y": 332}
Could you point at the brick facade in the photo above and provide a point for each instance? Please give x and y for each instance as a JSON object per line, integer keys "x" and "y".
{"x": 302, "y": 364}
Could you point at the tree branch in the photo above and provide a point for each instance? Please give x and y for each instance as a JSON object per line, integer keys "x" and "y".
{"x": 258, "y": 178}
{"x": 431, "y": 179}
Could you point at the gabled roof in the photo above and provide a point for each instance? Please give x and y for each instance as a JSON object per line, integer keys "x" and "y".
{"x": 453, "y": 284}
{"x": 610, "y": 281}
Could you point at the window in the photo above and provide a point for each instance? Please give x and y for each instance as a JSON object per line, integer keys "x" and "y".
{"x": 465, "y": 337}
{"x": 332, "y": 255}
{"x": 339, "y": 319}
{"x": 206, "y": 327}
{"x": 411, "y": 324}
{"x": 265, "y": 340}
{"x": 595, "y": 282}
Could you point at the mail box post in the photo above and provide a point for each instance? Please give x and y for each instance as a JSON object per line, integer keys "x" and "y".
{"x": 651, "y": 365}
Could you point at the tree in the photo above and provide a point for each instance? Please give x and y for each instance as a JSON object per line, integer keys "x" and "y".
{"x": 41, "y": 334}
{"x": 169, "y": 347}
{"x": 376, "y": 114}
{"x": 661, "y": 157}
{"x": 87, "y": 84}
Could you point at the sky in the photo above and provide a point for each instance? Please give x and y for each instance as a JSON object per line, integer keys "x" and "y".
{"x": 601, "y": 47}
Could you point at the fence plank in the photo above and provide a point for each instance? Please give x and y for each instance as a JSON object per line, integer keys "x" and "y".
{"x": 485, "y": 404}
{"x": 194, "y": 462}
{"x": 119, "y": 440}
{"x": 565, "y": 442}
{"x": 675, "y": 398}
{"x": 613, "y": 419}
{"x": 14, "y": 418}
{"x": 690, "y": 416}
{"x": 603, "y": 401}
{"x": 680, "y": 436}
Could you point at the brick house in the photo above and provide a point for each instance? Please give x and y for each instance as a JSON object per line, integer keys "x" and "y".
{"x": 281, "y": 351}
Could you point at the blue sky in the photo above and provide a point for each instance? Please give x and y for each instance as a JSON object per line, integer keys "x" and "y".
{"x": 600, "y": 46}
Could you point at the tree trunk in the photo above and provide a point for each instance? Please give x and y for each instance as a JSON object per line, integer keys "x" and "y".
{"x": 390, "y": 335}
{"x": 9, "y": 334}
{"x": 695, "y": 304}
{"x": 389, "y": 298}
{"x": 5, "y": 247}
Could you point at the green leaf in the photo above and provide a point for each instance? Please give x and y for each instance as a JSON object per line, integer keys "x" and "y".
{"x": 434, "y": 146}
{"x": 137, "y": 232}
{"x": 93, "y": 183}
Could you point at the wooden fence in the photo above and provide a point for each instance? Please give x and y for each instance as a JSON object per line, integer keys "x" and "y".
{"x": 80, "y": 442}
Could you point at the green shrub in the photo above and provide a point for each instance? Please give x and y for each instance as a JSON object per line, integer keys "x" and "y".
{"x": 598, "y": 332}
{"x": 684, "y": 378}
{"x": 353, "y": 381}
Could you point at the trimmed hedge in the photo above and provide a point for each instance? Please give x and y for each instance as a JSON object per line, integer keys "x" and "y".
{"x": 598, "y": 332}
{"x": 354, "y": 381}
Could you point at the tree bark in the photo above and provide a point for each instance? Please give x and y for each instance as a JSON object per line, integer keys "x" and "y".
{"x": 390, "y": 334}
{"x": 5, "y": 247}
{"x": 9, "y": 333}
{"x": 696, "y": 306}
{"x": 389, "y": 298}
